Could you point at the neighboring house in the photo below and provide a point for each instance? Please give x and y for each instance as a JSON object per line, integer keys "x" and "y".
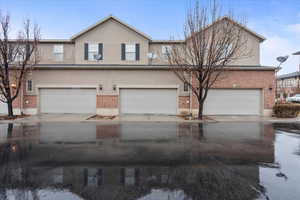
{"x": 111, "y": 68}
{"x": 288, "y": 85}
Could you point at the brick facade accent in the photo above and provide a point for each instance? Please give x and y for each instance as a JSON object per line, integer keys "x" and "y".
{"x": 108, "y": 131}
{"x": 288, "y": 91}
{"x": 30, "y": 101}
{"x": 107, "y": 101}
{"x": 264, "y": 80}
{"x": 183, "y": 102}
{"x": 16, "y": 102}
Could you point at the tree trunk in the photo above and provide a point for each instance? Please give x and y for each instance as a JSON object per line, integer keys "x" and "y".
{"x": 10, "y": 108}
{"x": 200, "y": 131}
{"x": 10, "y": 130}
{"x": 200, "y": 110}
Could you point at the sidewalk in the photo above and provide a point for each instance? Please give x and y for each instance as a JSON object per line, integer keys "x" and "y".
{"x": 145, "y": 118}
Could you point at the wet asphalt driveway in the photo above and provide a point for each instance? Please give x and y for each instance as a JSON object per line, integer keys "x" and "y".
{"x": 149, "y": 161}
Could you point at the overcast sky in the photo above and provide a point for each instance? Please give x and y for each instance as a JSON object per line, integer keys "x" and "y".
{"x": 277, "y": 20}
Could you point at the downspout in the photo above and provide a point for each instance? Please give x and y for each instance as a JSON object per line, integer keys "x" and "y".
{"x": 21, "y": 98}
{"x": 190, "y": 91}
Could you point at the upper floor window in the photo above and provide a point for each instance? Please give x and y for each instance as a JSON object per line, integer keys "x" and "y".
{"x": 58, "y": 52}
{"x": 93, "y": 51}
{"x": 19, "y": 57}
{"x": 130, "y": 52}
{"x": 165, "y": 50}
{"x": 20, "y": 53}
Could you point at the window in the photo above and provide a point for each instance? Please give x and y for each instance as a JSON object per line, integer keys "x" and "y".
{"x": 58, "y": 52}
{"x": 19, "y": 57}
{"x": 93, "y": 177}
{"x": 93, "y": 51}
{"x": 29, "y": 87}
{"x": 165, "y": 50}
{"x": 20, "y": 53}
{"x": 186, "y": 87}
{"x": 57, "y": 175}
{"x": 129, "y": 176}
{"x": 130, "y": 52}
{"x": 226, "y": 49}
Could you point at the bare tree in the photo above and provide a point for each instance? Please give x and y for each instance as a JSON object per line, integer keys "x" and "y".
{"x": 211, "y": 42}
{"x": 16, "y": 58}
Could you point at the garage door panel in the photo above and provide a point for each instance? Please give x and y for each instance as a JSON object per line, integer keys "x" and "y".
{"x": 3, "y": 108}
{"x": 148, "y": 101}
{"x": 68, "y": 100}
{"x": 233, "y": 102}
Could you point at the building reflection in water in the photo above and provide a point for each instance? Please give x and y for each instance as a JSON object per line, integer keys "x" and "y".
{"x": 190, "y": 161}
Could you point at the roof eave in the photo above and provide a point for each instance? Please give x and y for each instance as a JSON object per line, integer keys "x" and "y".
{"x": 167, "y": 41}
{"x": 140, "y": 67}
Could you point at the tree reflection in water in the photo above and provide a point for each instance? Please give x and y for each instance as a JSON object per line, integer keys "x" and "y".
{"x": 210, "y": 179}
{"x": 14, "y": 173}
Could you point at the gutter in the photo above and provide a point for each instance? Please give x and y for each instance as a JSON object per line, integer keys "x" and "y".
{"x": 137, "y": 67}
{"x": 191, "y": 93}
{"x": 22, "y": 99}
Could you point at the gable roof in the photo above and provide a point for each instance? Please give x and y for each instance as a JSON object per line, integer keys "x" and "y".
{"x": 260, "y": 37}
{"x": 71, "y": 40}
{"x": 105, "y": 20}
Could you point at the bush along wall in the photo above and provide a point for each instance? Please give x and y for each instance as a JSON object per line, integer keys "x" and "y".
{"x": 286, "y": 110}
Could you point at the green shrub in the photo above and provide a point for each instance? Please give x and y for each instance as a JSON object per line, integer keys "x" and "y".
{"x": 286, "y": 110}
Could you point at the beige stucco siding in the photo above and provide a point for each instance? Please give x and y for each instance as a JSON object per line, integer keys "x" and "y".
{"x": 252, "y": 49}
{"x": 112, "y": 34}
{"x": 107, "y": 78}
{"x": 250, "y": 52}
{"x": 156, "y": 48}
{"x": 45, "y": 52}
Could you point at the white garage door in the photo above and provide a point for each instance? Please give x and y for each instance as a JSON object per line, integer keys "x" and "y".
{"x": 233, "y": 102}
{"x": 3, "y": 108}
{"x": 67, "y": 100}
{"x": 148, "y": 101}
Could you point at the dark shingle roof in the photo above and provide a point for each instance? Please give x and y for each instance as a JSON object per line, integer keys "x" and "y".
{"x": 289, "y": 75}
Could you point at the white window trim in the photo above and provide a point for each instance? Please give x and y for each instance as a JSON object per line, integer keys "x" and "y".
{"x": 95, "y": 52}
{"x": 130, "y": 176}
{"x": 20, "y": 57}
{"x": 165, "y": 49}
{"x": 132, "y": 51}
{"x": 58, "y": 52}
